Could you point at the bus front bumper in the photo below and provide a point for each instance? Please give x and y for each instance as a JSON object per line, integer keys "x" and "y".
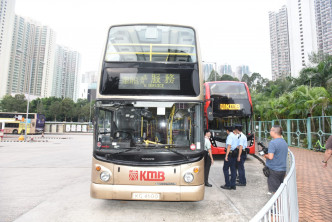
{"x": 151, "y": 193}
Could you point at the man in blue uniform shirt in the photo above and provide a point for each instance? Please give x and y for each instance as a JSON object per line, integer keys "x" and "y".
{"x": 230, "y": 159}
{"x": 242, "y": 156}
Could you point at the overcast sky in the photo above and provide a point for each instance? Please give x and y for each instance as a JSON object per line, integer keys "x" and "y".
{"x": 230, "y": 31}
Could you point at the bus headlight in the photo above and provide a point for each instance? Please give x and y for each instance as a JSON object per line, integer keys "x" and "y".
{"x": 105, "y": 176}
{"x": 188, "y": 177}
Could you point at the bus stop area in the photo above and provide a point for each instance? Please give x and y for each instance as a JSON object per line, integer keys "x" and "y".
{"x": 51, "y": 182}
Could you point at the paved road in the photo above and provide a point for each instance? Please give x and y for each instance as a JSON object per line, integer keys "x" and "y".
{"x": 50, "y": 182}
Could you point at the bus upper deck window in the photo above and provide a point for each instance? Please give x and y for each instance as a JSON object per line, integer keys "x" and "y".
{"x": 151, "y": 33}
{"x": 151, "y": 43}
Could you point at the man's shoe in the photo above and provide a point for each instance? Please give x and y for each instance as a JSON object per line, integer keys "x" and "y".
{"x": 233, "y": 188}
{"x": 208, "y": 185}
{"x": 225, "y": 187}
{"x": 241, "y": 184}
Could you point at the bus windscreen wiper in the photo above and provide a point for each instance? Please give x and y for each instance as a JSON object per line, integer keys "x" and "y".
{"x": 122, "y": 151}
{"x": 171, "y": 150}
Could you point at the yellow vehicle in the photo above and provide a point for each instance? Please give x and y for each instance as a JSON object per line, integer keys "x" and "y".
{"x": 148, "y": 123}
{"x": 9, "y": 126}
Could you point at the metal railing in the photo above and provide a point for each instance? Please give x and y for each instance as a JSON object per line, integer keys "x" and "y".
{"x": 283, "y": 205}
{"x": 304, "y": 133}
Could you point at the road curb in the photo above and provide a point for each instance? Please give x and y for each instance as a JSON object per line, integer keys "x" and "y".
{"x": 15, "y": 141}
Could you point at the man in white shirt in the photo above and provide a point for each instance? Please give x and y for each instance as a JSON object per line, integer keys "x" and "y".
{"x": 208, "y": 160}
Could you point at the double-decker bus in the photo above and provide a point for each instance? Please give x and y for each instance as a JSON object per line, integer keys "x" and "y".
{"x": 148, "y": 123}
{"x": 15, "y": 122}
{"x": 228, "y": 103}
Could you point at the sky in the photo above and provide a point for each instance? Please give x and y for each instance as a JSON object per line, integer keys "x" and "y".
{"x": 235, "y": 32}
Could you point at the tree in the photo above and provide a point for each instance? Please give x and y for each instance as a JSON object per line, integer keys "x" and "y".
{"x": 18, "y": 103}
{"x": 226, "y": 77}
{"x": 82, "y": 111}
{"x": 319, "y": 74}
{"x": 68, "y": 108}
{"x": 55, "y": 109}
{"x": 40, "y": 107}
{"x": 214, "y": 76}
{"x": 85, "y": 112}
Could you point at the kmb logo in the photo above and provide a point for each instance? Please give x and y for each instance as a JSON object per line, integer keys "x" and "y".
{"x": 147, "y": 175}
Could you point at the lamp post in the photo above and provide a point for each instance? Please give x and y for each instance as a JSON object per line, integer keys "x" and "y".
{"x": 28, "y": 103}
{"x": 29, "y": 83}
{"x": 89, "y": 93}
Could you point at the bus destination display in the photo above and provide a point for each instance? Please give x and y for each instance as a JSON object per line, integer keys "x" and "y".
{"x": 160, "y": 81}
{"x": 230, "y": 106}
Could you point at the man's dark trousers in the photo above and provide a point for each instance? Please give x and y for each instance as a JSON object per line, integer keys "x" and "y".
{"x": 230, "y": 164}
{"x": 242, "y": 173}
{"x": 207, "y": 165}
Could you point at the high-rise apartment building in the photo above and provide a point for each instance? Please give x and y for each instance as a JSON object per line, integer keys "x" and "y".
{"x": 208, "y": 67}
{"x": 302, "y": 33}
{"x": 66, "y": 79}
{"x": 225, "y": 69}
{"x": 279, "y": 43}
{"x": 87, "y": 84}
{"x": 323, "y": 10}
{"x": 240, "y": 71}
{"x": 31, "y": 58}
{"x": 7, "y": 17}
{"x": 89, "y": 77}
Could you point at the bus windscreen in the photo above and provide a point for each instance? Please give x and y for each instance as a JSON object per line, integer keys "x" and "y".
{"x": 230, "y": 99}
{"x": 229, "y": 90}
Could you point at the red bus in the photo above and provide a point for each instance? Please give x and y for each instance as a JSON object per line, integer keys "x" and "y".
{"x": 228, "y": 103}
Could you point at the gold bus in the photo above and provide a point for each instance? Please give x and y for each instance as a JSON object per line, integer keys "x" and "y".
{"x": 148, "y": 123}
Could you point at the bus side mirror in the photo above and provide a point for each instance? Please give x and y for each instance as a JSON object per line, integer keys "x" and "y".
{"x": 209, "y": 113}
{"x": 211, "y": 99}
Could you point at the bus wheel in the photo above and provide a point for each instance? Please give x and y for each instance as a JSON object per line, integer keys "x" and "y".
{"x": 22, "y": 131}
{"x": 15, "y": 131}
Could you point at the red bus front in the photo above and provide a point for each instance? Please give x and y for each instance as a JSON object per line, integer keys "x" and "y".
{"x": 228, "y": 103}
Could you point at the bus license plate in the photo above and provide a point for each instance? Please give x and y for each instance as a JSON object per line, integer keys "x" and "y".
{"x": 146, "y": 196}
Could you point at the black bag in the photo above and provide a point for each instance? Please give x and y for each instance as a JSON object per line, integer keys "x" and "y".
{"x": 266, "y": 171}
{"x": 235, "y": 152}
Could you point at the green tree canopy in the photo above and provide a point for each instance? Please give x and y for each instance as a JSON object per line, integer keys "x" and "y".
{"x": 18, "y": 103}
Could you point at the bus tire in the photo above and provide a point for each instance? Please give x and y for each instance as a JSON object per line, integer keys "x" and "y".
{"x": 15, "y": 131}
{"x": 22, "y": 131}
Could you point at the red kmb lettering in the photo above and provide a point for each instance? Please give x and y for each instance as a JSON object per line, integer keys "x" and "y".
{"x": 152, "y": 176}
{"x": 161, "y": 175}
{"x": 143, "y": 175}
